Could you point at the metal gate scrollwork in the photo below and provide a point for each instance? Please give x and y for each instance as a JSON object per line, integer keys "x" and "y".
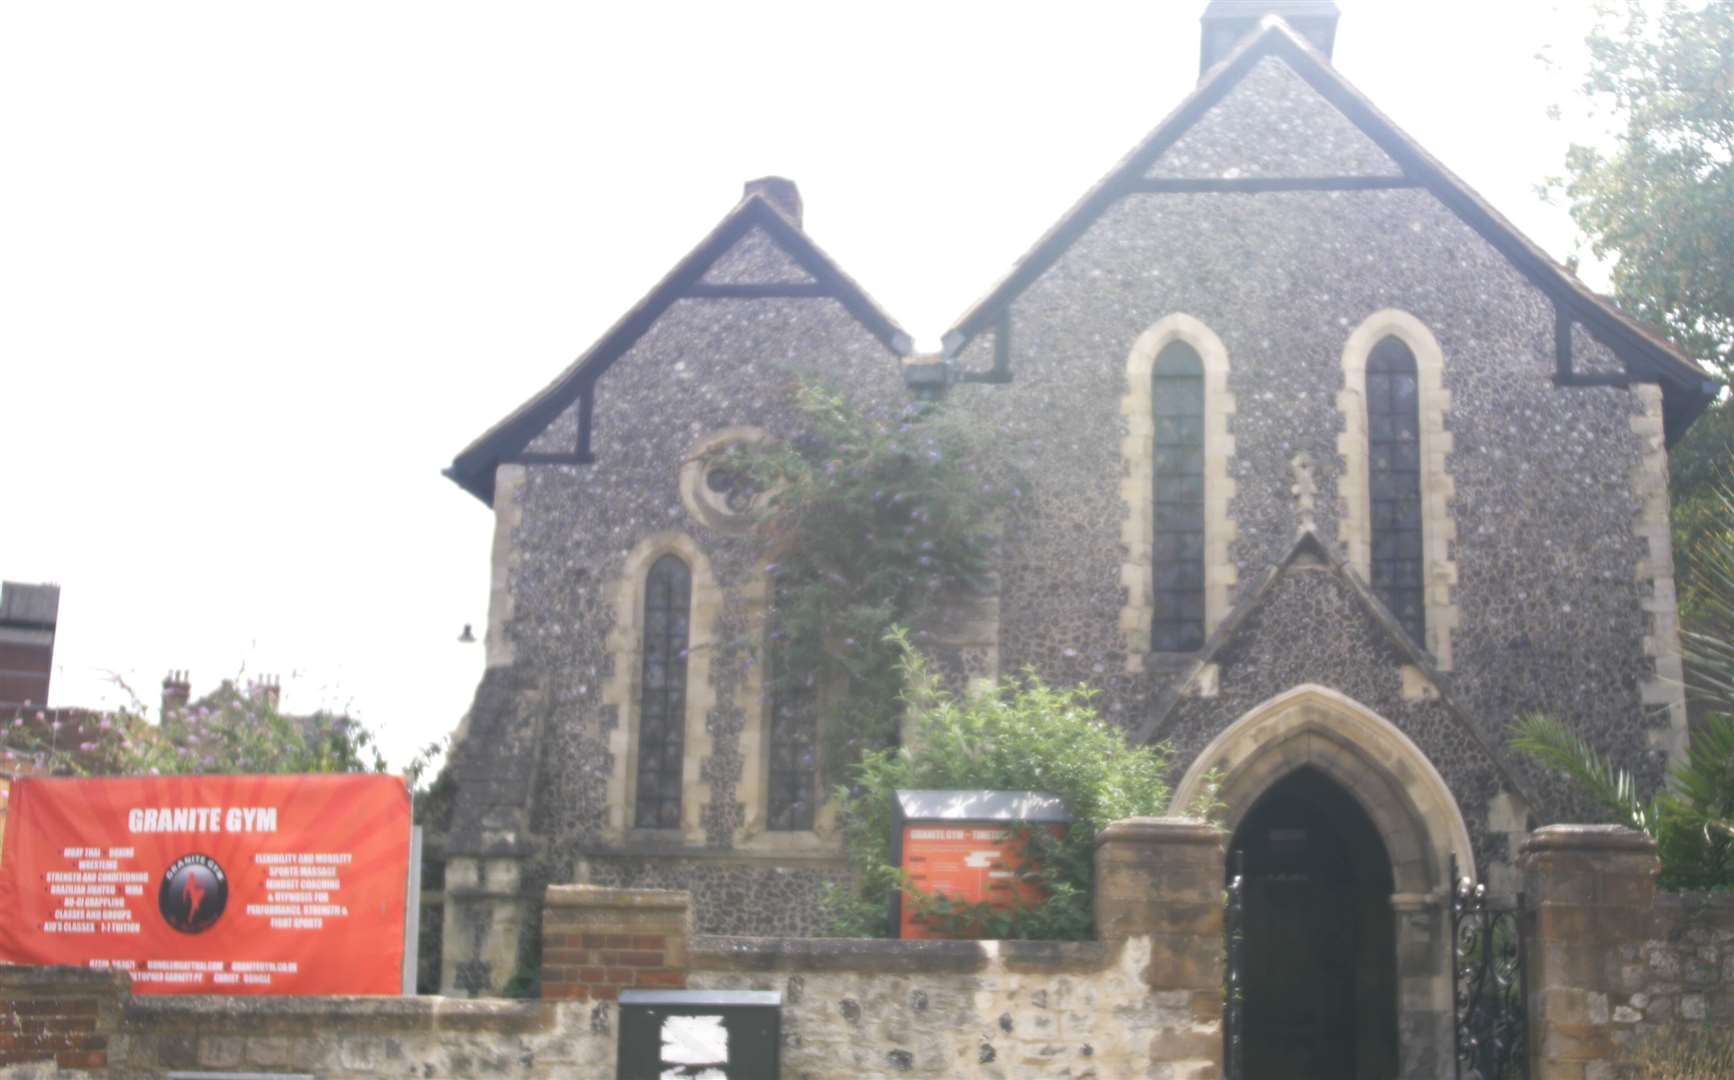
{"x": 1487, "y": 974}
{"x": 1234, "y": 977}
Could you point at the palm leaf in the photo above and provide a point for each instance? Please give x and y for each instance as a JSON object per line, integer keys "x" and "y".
{"x": 1555, "y": 746}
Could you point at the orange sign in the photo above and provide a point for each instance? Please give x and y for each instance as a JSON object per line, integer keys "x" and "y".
{"x": 211, "y": 884}
{"x": 967, "y": 862}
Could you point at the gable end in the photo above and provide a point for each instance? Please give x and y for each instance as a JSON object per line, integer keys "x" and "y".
{"x": 819, "y": 278}
{"x": 1688, "y": 388}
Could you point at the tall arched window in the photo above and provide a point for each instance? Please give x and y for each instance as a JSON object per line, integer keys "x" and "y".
{"x": 662, "y": 694}
{"x": 1177, "y": 401}
{"x": 1394, "y": 480}
{"x": 791, "y": 798}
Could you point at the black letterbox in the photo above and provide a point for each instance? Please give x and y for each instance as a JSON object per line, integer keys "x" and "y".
{"x": 708, "y": 1034}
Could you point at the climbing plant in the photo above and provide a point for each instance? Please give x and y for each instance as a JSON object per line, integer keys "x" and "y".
{"x": 873, "y": 520}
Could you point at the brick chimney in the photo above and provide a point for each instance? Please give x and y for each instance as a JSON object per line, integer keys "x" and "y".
{"x": 1226, "y": 22}
{"x": 268, "y": 690}
{"x": 177, "y": 691}
{"x": 780, "y": 193}
{"x": 28, "y": 617}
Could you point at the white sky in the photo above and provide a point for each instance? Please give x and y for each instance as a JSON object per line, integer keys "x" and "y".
{"x": 266, "y": 267}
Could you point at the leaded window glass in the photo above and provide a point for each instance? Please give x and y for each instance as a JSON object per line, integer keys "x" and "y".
{"x": 1178, "y": 400}
{"x": 792, "y": 799}
{"x": 1394, "y": 474}
{"x": 662, "y": 693}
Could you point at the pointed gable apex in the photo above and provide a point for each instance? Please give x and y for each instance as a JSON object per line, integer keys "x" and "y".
{"x": 775, "y": 248}
{"x": 1687, "y": 387}
{"x": 1268, "y": 99}
{"x": 756, "y": 259}
{"x": 1310, "y": 552}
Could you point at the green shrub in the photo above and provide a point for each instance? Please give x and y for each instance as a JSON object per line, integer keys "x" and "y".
{"x": 1024, "y": 736}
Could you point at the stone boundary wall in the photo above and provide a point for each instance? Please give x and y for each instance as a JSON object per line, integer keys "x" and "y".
{"x": 1144, "y": 1001}
{"x": 80, "y": 1022}
{"x": 1611, "y": 961}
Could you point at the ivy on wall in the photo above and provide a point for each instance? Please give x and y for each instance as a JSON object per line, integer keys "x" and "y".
{"x": 872, "y": 521}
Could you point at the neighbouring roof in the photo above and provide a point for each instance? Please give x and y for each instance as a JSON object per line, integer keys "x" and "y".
{"x": 473, "y": 469}
{"x": 29, "y": 605}
{"x": 1687, "y": 387}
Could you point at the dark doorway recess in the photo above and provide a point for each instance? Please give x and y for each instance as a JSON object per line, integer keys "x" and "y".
{"x": 1320, "y": 949}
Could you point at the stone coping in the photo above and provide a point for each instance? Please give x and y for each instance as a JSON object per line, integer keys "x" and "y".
{"x": 61, "y": 981}
{"x": 888, "y": 956}
{"x": 261, "y": 1015}
{"x": 635, "y": 849}
{"x": 1588, "y": 838}
{"x": 1162, "y": 830}
{"x": 601, "y": 896}
{"x": 1717, "y": 901}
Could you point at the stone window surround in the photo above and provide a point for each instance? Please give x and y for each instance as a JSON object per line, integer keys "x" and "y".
{"x": 754, "y": 697}
{"x": 1138, "y": 481}
{"x": 699, "y": 500}
{"x": 1438, "y": 530}
{"x": 625, "y": 647}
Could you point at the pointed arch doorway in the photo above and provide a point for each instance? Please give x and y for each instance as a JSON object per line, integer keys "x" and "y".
{"x": 1347, "y": 831}
{"x": 1320, "y": 939}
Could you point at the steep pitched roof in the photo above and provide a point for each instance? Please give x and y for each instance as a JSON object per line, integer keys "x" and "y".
{"x": 473, "y": 468}
{"x": 1687, "y": 386}
{"x": 1306, "y": 547}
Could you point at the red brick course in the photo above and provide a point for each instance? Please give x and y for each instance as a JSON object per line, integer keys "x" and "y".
{"x": 598, "y": 942}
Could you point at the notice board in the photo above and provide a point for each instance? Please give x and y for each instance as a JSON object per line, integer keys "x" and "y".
{"x": 211, "y": 884}
{"x": 967, "y": 845}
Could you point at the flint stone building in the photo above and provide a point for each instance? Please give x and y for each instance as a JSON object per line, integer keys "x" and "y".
{"x": 1337, "y": 475}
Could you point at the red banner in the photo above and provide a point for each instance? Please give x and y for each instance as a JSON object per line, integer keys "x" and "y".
{"x": 211, "y": 884}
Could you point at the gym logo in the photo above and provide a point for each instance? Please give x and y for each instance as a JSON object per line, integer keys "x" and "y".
{"x": 194, "y": 893}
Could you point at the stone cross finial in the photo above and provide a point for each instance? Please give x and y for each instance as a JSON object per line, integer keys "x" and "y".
{"x": 1304, "y": 489}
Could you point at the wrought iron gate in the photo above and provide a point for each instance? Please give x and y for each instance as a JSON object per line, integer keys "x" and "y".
{"x": 1487, "y": 985}
{"x": 1234, "y": 977}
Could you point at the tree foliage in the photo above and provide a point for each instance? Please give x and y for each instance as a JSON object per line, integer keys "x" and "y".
{"x": 1023, "y": 736}
{"x": 872, "y": 522}
{"x": 230, "y": 731}
{"x": 1657, "y": 201}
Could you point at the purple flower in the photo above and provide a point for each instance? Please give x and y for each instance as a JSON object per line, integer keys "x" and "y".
{"x": 87, "y": 747}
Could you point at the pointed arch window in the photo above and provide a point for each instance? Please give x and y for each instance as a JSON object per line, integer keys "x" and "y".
{"x": 793, "y": 800}
{"x": 662, "y": 694}
{"x": 1177, "y": 399}
{"x": 792, "y": 715}
{"x": 1394, "y": 479}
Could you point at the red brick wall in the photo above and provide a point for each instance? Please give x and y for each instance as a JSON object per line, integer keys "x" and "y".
{"x": 57, "y": 1014}
{"x": 597, "y": 942}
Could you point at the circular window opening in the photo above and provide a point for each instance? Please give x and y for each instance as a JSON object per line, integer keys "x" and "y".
{"x": 718, "y": 492}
